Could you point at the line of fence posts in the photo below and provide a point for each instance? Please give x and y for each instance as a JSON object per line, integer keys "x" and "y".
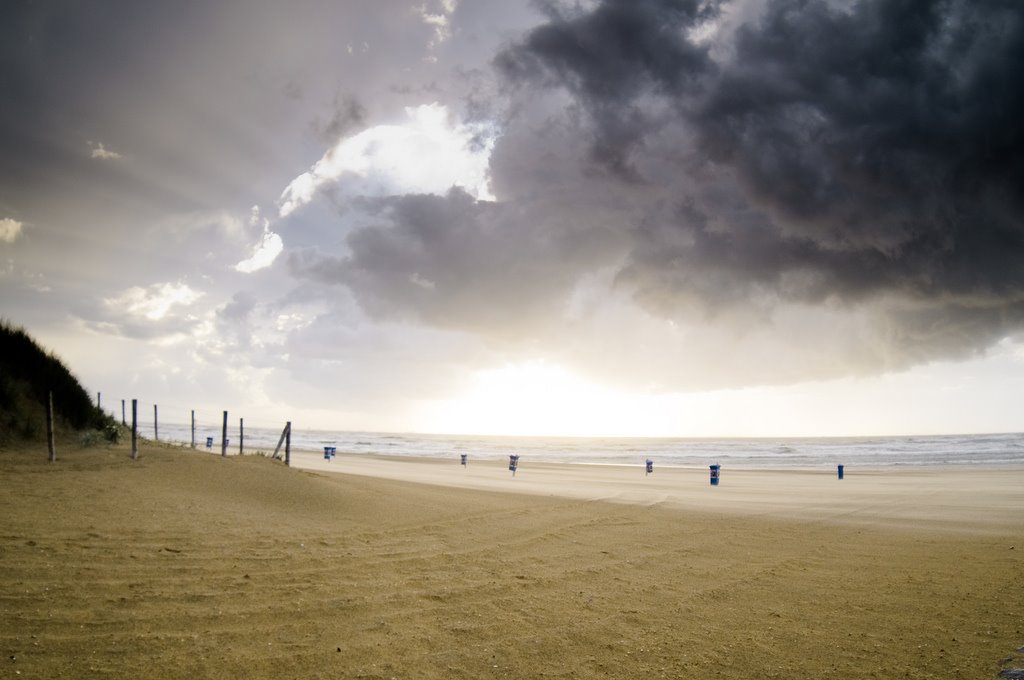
{"x": 286, "y": 434}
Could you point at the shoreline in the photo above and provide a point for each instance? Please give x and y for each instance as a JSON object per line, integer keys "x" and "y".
{"x": 638, "y": 465}
{"x": 971, "y": 499}
{"x": 786, "y": 453}
{"x": 453, "y": 457}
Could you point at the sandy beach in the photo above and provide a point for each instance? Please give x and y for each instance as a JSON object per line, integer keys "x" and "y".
{"x": 184, "y": 564}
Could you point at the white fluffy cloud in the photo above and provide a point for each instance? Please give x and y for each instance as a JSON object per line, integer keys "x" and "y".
{"x": 439, "y": 20}
{"x": 10, "y": 229}
{"x": 267, "y": 249}
{"x": 429, "y": 153}
{"x": 100, "y": 152}
{"x": 153, "y": 302}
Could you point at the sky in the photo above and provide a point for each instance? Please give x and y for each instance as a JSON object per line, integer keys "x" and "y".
{"x": 598, "y": 217}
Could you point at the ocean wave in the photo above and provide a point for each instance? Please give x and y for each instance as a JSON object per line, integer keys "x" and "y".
{"x": 979, "y": 450}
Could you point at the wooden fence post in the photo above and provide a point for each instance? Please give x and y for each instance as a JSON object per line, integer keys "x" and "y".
{"x": 99, "y": 406}
{"x": 241, "y": 436}
{"x": 135, "y": 428}
{"x": 288, "y": 444}
{"x": 280, "y": 442}
{"x": 224, "y": 436}
{"x": 124, "y": 421}
{"x": 193, "y": 428}
{"x": 49, "y": 427}
{"x": 156, "y": 432}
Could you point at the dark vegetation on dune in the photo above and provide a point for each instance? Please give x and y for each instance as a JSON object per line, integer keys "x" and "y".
{"x": 28, "y": 373}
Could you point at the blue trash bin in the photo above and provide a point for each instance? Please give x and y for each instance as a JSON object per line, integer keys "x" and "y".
{"x": 715, "y": 473}
{"x": 839, "y": 471}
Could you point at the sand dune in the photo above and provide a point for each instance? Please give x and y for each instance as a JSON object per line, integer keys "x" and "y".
{"x": 184, "y": 564}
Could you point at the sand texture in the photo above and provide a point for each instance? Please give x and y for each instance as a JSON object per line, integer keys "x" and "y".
{"x": 187, "y": 565}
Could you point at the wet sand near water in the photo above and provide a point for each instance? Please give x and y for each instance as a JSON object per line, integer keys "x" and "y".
{"x": 186, "y": 565}
{"x": 964, "y": 498}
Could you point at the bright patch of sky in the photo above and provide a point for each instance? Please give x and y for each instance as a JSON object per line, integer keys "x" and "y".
{"x": 540, "y": 398}
{"x": 267, "y": 249}
{"x": 535, "y": 398}
{"x": 429, "y": 153}
{"x": 155, "y": 301}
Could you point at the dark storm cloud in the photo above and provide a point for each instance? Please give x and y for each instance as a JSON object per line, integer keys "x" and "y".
{"x": 233, "y": 319}
{"x": 877, "y": 127}
{"x": 238, "y": 309}
{"x": 348, "y": 115}
{"x": 819, "y": 154}
{"x": 611, "y": 57}
{"x": 453, "y": 261}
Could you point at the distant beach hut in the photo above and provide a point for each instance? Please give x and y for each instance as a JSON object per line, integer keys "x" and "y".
{"x": 513, "y": 463}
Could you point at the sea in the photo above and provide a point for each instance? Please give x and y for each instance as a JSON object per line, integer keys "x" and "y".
{"x": 987, "y": 450}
